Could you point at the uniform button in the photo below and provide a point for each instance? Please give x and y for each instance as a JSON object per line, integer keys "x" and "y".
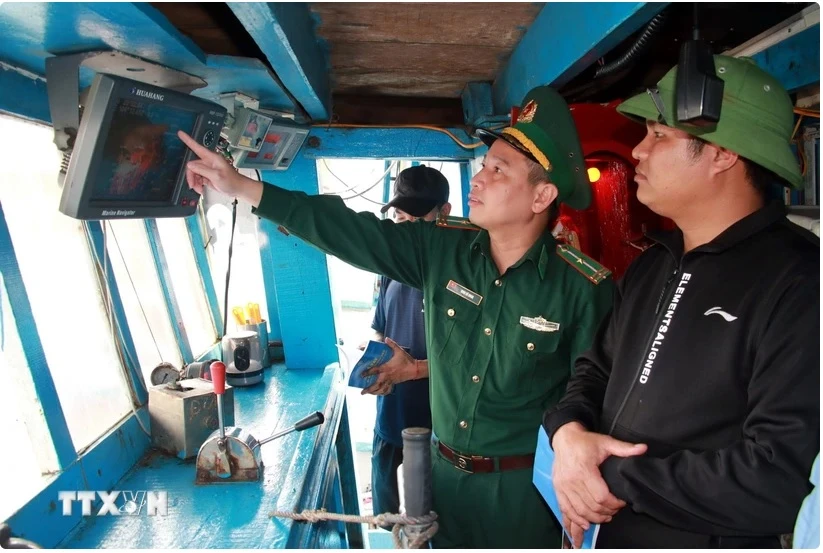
{"x": 498, "y": 282}
{"x": 530, "y": 346}
{"x": 464, "y": 425}
{"x": 475, "y": 379}
{"x": 488, "y": 332}
{"x": 450, "y": 312}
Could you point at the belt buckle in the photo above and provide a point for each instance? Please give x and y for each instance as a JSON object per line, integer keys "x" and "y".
{"x": 464, "y": 463}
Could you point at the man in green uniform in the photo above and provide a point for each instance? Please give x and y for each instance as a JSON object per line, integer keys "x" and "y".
{"x": 507, "y": 310}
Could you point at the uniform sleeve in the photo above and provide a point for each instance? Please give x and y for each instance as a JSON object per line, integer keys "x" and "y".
{"x": 360, "y": 239}
{"x": 586, "y": 389}
{"x": 379, "y": 322}
{"x": 593, "y": 314}
{"x": 756, "y": 485}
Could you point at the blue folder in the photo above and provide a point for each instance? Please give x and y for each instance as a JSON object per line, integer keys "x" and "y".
{"x": 376, "y": 353}
{"x": 542, "y": 479}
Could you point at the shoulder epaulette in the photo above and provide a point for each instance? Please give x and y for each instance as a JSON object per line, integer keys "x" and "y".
{"x": 456, "y": 222}
{"x": 583, "y": 264}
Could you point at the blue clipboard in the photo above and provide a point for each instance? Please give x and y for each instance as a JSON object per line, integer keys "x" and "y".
{"x": 542, "y": 479}
{"x": 376, "y": 353}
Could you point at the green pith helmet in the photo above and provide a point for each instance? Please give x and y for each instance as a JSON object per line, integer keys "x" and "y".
{"x": 756, "y": 116}
{"x": 545, "y": 133}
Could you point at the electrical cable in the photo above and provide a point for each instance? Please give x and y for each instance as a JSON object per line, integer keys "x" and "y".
{"x": 640, "y": 45}
{"x": 359, "y": 194}
{"x": 228, "y": 268}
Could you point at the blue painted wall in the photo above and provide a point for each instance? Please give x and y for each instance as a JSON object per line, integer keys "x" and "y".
{"x": 285, "y": 33}
{"x": 41, "y": 519}
{"x": 33, "y": 31}
{"x": 565, "y": 38}
{"x": 267, "y": 257}
{"x": 795, "y": 62}
{"x": 301, "y": 281}
{"x": 24, "y": 94}
{"x": 386, "y": 143}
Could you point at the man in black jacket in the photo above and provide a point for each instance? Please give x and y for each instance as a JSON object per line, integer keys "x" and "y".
{"x": 694, "y": 419}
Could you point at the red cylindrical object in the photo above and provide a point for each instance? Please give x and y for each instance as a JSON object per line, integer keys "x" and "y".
{"x": 218, "y": 376}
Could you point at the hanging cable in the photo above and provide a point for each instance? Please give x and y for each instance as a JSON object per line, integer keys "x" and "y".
{"x": 344, "y": 183}
{"x": 228, "y": 268}
{"x": 359, "y": 194}
{"x": 640, "y": 45}
{"x": 364, "y": 191}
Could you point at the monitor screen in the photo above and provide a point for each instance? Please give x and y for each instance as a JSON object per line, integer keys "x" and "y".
{"x": 270, "y": 150}
{"x": 128, "y": 161}
{"x": 279, "y": 147}
{"x": 251, "y": 136}
{"x": 142, "y": 155}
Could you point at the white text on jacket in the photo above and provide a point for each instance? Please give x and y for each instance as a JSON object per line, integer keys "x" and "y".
{"x": 657, "y": 343}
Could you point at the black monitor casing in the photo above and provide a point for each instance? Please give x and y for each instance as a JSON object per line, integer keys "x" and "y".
{"x": 105, "y": 94}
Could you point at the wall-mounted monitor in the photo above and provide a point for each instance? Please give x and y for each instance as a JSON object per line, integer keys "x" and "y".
{"x": 128, "y": 162}
{"x": 280, "y": 146}
{"x": 249, "y": 129}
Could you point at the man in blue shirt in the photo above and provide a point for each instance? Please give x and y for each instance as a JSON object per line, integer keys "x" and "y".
{"x": 420, "y": 193}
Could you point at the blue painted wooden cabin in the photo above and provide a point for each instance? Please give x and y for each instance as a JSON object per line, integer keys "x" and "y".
{"x": 89, "y": 309}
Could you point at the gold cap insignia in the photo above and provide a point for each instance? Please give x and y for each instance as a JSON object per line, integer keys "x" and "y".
{"x": 528, "y": 112}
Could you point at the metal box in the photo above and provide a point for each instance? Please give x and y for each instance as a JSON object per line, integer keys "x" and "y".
{"x": 184, "y": 415}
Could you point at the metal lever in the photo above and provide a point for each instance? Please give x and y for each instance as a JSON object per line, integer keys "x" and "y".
{"x": 218, "y": 376}
{"x": 305, "y": 423}
{"x": 8, "y": 542}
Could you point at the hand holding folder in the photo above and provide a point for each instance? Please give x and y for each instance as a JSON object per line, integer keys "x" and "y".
{"x": 542, "y": 479}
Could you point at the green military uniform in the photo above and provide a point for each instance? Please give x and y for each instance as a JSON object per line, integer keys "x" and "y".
{"x": 501, "y": 347}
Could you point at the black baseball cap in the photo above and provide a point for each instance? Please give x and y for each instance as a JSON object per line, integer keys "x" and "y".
{"x": 418, "y": 190}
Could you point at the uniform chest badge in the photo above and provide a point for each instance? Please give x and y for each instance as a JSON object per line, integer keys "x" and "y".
{"x": 539, "y": 324}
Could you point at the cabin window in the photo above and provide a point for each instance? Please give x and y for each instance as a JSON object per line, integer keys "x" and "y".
{"x": 61, "y": 281}
{"x": 22, "y": 421}
{"x": 143, "y": 301}
{"x": 451, "y": 170}
{"x": 187, "y": 284}
{"x": 246, "y": 284}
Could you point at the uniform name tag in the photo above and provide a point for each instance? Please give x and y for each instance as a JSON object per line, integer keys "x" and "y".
{"x": 464, "y": 292}
{"x": 539, "y": 324}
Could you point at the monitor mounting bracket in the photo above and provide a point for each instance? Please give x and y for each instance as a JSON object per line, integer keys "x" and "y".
{"x": 63, "y": 85}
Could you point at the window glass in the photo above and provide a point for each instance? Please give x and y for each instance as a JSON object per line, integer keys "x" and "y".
{"x": 187, "y": 284}
{"x": 62, "y": 284}
{"x": 143, "y": 301}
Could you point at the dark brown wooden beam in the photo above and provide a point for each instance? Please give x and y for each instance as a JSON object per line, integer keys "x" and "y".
{"x": 395, "y": 110}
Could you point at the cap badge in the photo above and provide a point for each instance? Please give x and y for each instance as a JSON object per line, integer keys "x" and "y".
{"x": 528, "y": 112}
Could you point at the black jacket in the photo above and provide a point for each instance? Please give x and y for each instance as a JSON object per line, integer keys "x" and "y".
{"x": 712, "y": 358}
